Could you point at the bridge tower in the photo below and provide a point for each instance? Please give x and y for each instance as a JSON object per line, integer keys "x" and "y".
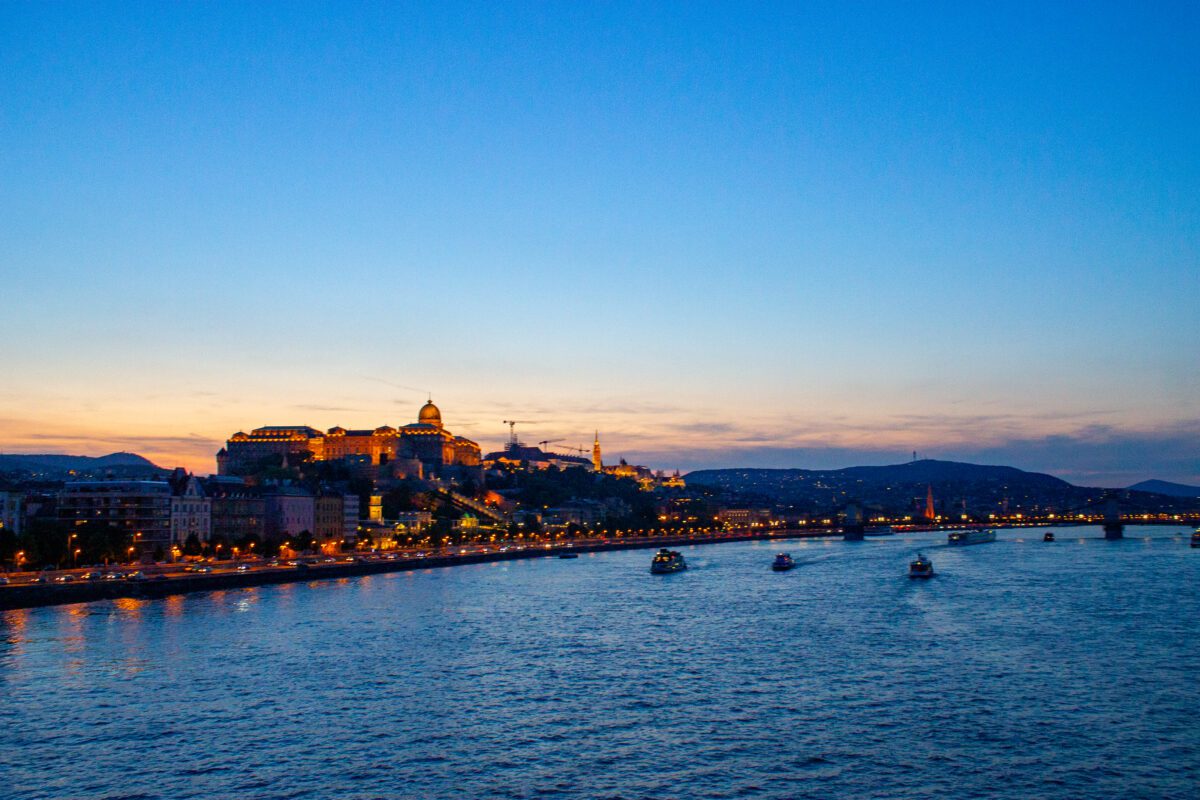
{"x": 852, "y": 528}
{"x": 1113, "y": 527}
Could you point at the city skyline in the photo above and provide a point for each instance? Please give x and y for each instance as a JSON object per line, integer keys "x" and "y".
{"x": 810, "y": 238}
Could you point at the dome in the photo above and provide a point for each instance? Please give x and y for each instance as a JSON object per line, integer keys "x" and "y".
{"x": 430, "y": 415}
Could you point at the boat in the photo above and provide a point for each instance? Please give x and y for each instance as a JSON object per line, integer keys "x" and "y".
{"x": 879, "y": 531}
{"x": 921, "y": 567}
{"x": 1196, "y": 538}
{"x": 783, "y": 562}
{"x": 666, "y": 561}
{"x": 568, "y": 555}
{"x": 971, "y": 537}
{"x": 1049, "y": 537}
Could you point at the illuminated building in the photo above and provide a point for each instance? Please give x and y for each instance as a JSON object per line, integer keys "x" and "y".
{"x": 140, "y": 508}
{"x": 290, "y": 511}
{"x": 597, "y": 463}
{"x": 328, "y": 518}
{"x": 191, "y": 511}
{"x": 425, "y": 444}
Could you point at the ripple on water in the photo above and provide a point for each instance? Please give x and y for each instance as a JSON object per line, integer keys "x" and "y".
{"x": 1020, "y": 671}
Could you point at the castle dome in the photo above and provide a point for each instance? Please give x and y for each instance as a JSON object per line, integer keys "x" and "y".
{"x": 430, "y": 415}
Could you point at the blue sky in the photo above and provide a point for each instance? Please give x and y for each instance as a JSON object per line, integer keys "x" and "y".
{"x": 723, "y": 235}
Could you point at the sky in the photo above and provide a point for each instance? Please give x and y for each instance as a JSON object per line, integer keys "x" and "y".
{"x": 795, "y": 235}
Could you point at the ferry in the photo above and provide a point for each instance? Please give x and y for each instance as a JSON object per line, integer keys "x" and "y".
{"x": 1196, "y": 538}
{"x": 972, "y": 537}
{"x": 1049, "y": 537}
{"x": 922, "y": 567}
{"x": 783, "y": 562}
{"x": 667, "y": 561}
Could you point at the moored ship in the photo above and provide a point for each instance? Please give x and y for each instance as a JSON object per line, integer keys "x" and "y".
{"x": 971, "y": 537}
{"x": 666, "y": 561}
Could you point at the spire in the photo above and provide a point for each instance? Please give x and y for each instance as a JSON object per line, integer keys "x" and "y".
{"x": 597, "y": 463}
{"x": 929, "y": 513}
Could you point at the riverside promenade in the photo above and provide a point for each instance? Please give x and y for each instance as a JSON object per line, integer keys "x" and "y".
{"x": 163, "y": 580}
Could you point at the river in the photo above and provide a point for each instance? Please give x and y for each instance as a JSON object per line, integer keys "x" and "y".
{"x": 1024, "y": 669}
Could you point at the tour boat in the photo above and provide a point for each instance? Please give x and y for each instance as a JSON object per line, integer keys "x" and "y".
{"x": 972, "y": 537}
{"x": 922, "y": 567}
{"x": 783, "y": 562}
{"x": 666, "y": 561}
{"x": 1196, "y": 538}
{"x": 1049, "y": 537}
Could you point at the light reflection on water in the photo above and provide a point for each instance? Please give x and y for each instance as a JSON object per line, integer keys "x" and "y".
{"x": 1010, "y": 675}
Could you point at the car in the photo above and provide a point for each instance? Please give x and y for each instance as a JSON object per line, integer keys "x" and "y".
{"x": 65, "y": 579}
{"x": 4, "y": 581}
{"x": 90, "y": 576}
{"x": 159, "y": 577}
{"x": 113, "y": 576}
{"x": 136, "y": 577}
{"x": 243, "y": 567}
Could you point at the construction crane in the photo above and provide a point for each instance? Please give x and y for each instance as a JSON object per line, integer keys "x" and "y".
{"x": 545, "y": 442}
{"x": 512, "y": 429}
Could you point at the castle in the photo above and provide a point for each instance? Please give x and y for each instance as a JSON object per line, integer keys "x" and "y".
{"x": 426, "y": 443}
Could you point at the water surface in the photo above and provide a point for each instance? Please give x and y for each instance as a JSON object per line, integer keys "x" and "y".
{"x": 1022, "y": 670}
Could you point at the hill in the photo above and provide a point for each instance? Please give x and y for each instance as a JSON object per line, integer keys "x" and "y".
{"x": 56, "y": 466}
{"x": 1167, "y": 488}
{"x": 901, "y": 488}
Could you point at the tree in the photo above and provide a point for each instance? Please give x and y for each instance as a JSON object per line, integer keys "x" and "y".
{"x": 304, "y": 540}
{"x": 191, "y": 545}
{"x": 102, "y": 541}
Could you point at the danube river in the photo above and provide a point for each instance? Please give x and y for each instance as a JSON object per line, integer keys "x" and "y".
{"x": 1024, "y": 669}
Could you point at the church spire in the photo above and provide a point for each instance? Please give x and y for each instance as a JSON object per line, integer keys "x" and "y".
{"x": 597, "y": 464}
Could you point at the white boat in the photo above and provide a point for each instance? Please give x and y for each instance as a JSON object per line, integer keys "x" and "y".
{"x": 971, "y": 537}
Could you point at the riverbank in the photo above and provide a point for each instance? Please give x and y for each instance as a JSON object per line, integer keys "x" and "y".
{"x": 32, "y": 595}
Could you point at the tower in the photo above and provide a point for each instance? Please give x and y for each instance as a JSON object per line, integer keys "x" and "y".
{"x": 929, "y": 513}
{"x": 597, "y": 464}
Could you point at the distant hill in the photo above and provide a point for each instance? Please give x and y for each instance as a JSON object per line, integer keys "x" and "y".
{"x": 901, "y": 487}
{"x": 1167, "y": 488}
{"x": 58, "y": 466}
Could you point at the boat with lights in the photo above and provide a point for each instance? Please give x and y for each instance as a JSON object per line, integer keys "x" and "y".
{"x": 971, "y": 537}
{"x": 920, "y": 567}
{"x": 667, "y": 561}
{"x": 783, "y": 562}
